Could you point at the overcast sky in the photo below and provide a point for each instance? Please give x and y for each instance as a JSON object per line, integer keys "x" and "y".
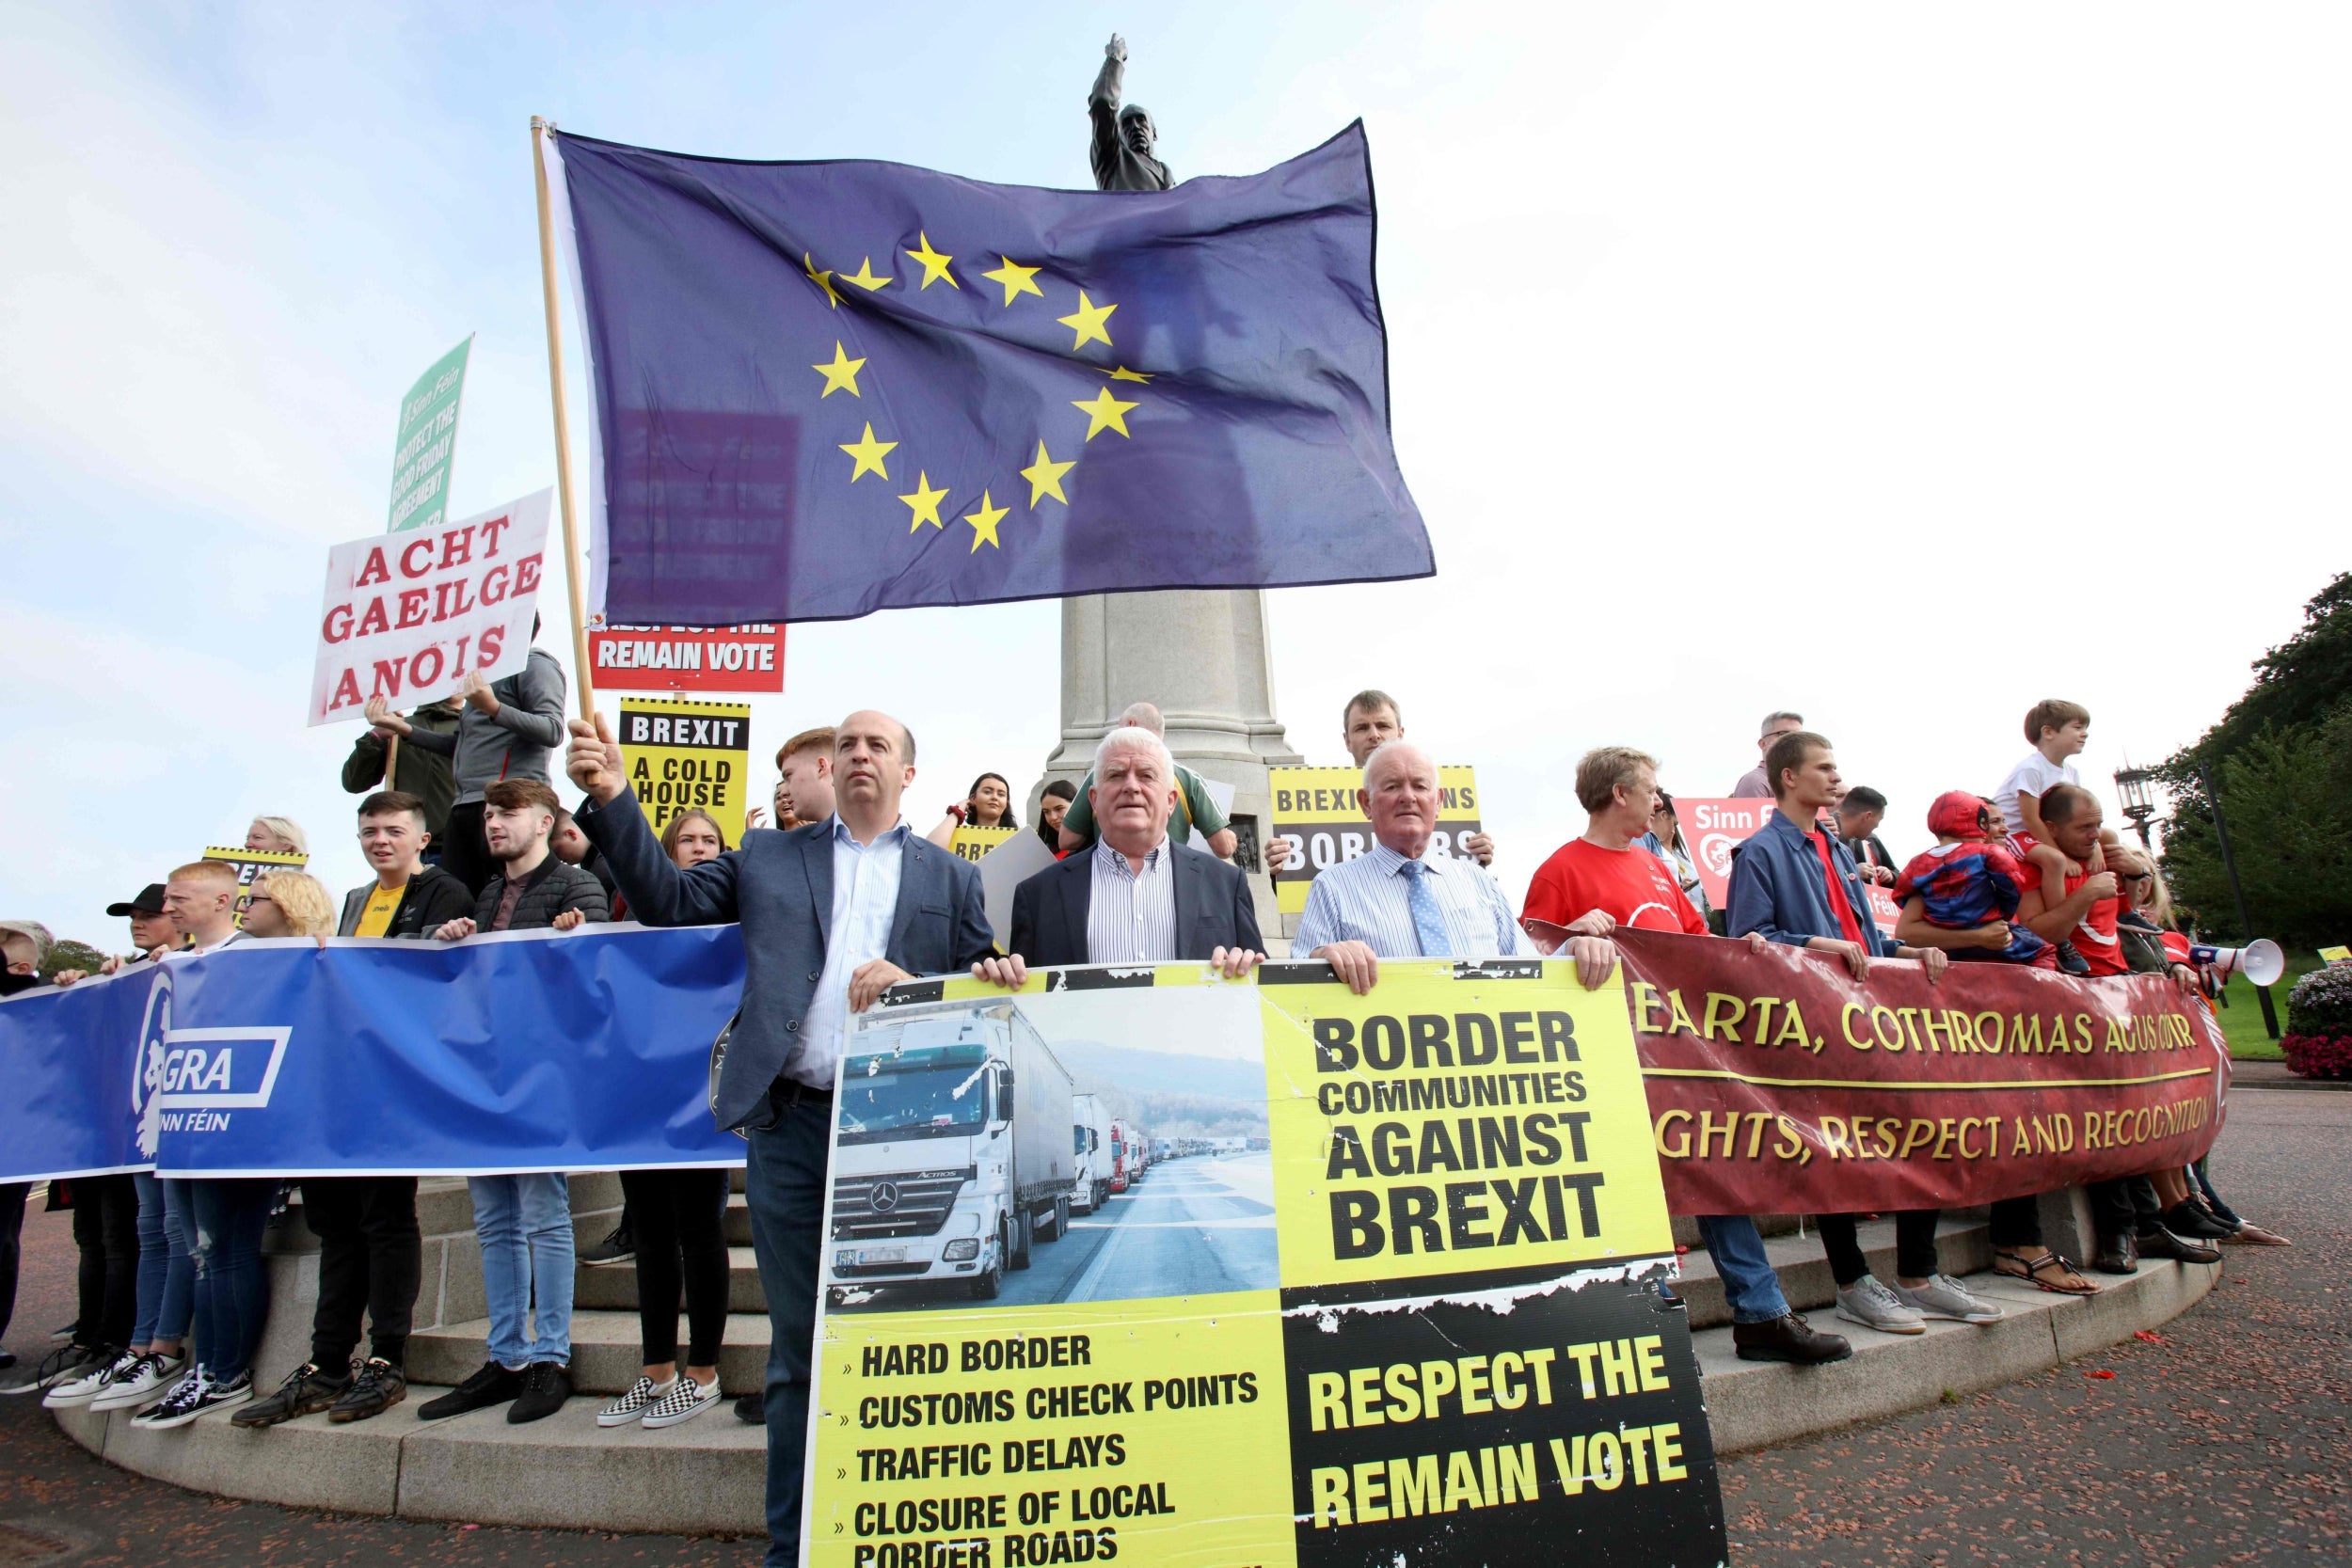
{"x": 1898, "y": 365}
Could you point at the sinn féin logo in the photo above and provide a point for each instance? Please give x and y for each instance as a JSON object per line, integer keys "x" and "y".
{"x": 188, "y": 1080}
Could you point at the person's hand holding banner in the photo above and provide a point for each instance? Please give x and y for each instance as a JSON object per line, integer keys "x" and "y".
{"x": 595, "y": 762}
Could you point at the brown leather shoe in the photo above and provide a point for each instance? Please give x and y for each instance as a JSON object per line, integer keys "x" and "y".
{"x": 2161, "y": 1243}
{"x": 1787, "y": 1339}
{"x": 2115, "y": 1255}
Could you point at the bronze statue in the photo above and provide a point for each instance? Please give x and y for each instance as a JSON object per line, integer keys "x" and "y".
{"x": 1123, "y": 138}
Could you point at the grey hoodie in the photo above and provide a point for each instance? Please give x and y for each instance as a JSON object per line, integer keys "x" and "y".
{"x": 513, "y": 743}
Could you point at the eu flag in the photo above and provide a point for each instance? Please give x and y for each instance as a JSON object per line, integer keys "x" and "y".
{"x": 827, "y": 389}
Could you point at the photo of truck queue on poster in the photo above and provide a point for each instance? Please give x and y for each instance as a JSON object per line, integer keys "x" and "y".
{"x": 1137, "y": 1264}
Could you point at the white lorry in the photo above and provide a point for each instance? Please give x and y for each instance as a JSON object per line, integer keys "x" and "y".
{"x": 1091, "y": 1135}
{"x": 953, "y": 1153}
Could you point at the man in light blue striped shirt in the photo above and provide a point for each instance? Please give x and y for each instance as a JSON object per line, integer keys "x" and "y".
{"x": 1398, "y": 900}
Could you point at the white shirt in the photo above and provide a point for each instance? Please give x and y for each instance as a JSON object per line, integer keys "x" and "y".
{"x": 234, "y": 932}
{"x": 1130, "y": 916}
{"x": 865, "y": 901}
{"x": 1368, "y": 899}
{"x": 2034, "y": 776}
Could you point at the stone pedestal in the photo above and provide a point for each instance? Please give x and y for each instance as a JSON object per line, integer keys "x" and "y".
{"x": 1203, "y": 657}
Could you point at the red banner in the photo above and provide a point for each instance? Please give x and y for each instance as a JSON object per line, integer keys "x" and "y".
{"x": 688, "y": 658}
{"x": 1779, "y": 1084}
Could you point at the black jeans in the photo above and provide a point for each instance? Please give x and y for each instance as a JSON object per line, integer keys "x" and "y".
{"x": 11, "y": 1247}
{"x": 1914, "y": 1245}
{"x": 2015, "y": 1222}
{"x": 679, "y": 1216}
{"x": 106, "y": 1230}
{"x": 465, "y": 854}
{"x": 2124, "y": 1207}
{"x": 370, "y": 1258}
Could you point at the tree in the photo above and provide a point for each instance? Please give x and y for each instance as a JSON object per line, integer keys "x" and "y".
{"x": 2281, "y": 760}
{"x": 69, "y": 953}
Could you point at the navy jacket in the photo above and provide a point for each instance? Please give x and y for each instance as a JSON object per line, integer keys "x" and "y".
{"x": 1214, "y": 909}
{"x": 1776, "y": 888}
{"x": 779, "y": 885}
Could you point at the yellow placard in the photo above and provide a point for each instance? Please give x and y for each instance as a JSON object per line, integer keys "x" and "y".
{"x": 251, "y": 863}
{"x": 681, "y": 755}
{"x": 1315, "y": 809}
{"x": 974, "y": 842}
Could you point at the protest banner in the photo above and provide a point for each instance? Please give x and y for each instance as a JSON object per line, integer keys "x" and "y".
{"x": 1369, "y": 1280}
{"x": 1779, "y": 1083}
{"x": 689, "y": 658}
{"x": 1315, "y": 809}
{"x": 426, "y": 442}
{"x": 521, "y": 1051}
{"x": 409, "y": 617}
{"x": 251, "y": 863}
{"x": 683, "y": 754}
{"x": 1712, "y": 829}
{"x": 974, "y": 843}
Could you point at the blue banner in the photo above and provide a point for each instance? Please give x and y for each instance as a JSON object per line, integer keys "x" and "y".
{"x": 521, "y": 1052}
{"x": 827, "y": 389}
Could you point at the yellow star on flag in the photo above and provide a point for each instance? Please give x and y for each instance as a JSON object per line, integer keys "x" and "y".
{"x": 1123, "y": 374}
{"x": 984, "y": 523}
{"x": 1044, "y": 477}
{"x": 863, "y": 278}
{"x": 822, "y": 280}
{"x": 1016, "y": 278}
{"x": 935, "y": 265}
{"x": 924, "y": 503}
{"x": 1103, "y": 412}
{"x": 869, "y": 454}
{"x": 841, "y": 375}
{"x": 1087, "y": 322}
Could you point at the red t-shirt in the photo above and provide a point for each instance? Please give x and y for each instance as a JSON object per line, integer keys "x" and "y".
{"x": 2093, "y": 936}
{"x": 1840, "y": 899}
{"x": 1632, "y": 886}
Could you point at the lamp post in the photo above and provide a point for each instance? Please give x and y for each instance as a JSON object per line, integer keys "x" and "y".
{"x": 2139, "y": 802}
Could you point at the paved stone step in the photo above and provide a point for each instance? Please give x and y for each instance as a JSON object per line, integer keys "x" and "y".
{"x": 607, "y": 1352}
{"x": 707, "y": 1475}
{"x": 1962, "y": 1245}
{"x": 615, "y": 1285}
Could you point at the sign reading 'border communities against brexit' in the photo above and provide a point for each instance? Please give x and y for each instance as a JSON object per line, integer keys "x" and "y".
{"x": 826, "y": 388}
{"x": 1349, "y": 1281}
{"x": 409, "y": 616}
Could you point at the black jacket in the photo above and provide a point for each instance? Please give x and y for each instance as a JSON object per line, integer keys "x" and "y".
{"x": 432, "y": 898}
{"x": 1214, "y": 909}
{"x": 421, "y": 770}
{"x": 547, "y": 892}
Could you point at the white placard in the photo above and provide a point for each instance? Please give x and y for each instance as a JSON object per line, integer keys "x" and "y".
{"x": 1005, "y": 867}
{"x": 408, "y": 616}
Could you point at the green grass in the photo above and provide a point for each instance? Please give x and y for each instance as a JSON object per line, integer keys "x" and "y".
{"x": 2242, "y": 1019}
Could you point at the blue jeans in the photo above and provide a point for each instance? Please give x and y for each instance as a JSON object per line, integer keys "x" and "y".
{"x": 1749, "y": 1283}
{"x": 167, "y": 1288}
{"x": 525, "y": 1223}
{"x": 226, "y": 1216}
{"x": 785, "y": 1186}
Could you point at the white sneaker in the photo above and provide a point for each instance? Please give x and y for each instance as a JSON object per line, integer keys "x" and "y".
{"x": 685, "y": 1399}
{"x": 183, "y": 1403}
{"x": 1873, "y": 1306}
{"x": 632, "y": 1406}
{"x": 143, "y": 1384}
{"x": 1945, "y": 1297}
{"x": 81, "y": 1390}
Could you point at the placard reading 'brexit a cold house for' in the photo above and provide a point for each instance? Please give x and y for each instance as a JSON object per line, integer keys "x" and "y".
{"x": 1140, "y": 1264}
{"x": 681, "y": 755}
{"x": 1316, "y": 808}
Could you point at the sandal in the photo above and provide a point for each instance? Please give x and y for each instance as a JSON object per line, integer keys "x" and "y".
{"x": 2250, "y": 1234}
{"x": 2031, "y": 1270}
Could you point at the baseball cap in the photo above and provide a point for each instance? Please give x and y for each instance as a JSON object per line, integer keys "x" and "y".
{"x": 34, "y": 932}
{"x": 150, "y": 901}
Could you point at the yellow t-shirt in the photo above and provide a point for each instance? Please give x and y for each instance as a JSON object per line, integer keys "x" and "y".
{"x": 383, "y": 904}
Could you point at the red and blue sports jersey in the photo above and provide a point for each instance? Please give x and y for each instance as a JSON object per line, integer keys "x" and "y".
{"x": 1961, "y": 886}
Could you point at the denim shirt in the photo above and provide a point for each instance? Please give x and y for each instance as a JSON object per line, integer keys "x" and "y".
{"x": 1777, "y": 889}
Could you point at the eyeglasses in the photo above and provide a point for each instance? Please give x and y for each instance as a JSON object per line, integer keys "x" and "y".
{"x": 2135, "y": 877}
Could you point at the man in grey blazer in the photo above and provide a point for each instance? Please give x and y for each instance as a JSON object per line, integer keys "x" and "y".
{"x": 1135, "y": 896}
{"x": 831, "y": 913}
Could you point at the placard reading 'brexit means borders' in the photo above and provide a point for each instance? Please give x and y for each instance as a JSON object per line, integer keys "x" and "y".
{"x": 1315, "y": 809}
{"x": 1140, "y": 1264}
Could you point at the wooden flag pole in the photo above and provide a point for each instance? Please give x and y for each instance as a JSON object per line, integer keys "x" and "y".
{"x": 539, "y": 128}
{"x": 391, "y": 759}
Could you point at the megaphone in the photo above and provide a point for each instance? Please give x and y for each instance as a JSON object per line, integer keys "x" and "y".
{"x": 2259, "y": 961}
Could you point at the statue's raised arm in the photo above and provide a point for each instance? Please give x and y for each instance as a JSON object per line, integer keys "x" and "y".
{"x": 1123, "y": 138}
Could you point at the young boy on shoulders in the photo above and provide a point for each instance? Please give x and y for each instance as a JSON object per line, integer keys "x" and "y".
{"x": 1962, "y": 895}
{"x": 2058, "y": 730}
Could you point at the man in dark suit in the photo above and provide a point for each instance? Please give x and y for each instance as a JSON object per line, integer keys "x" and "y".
{"x": 1135, "y": 898}
{"x": 831, "y": 913}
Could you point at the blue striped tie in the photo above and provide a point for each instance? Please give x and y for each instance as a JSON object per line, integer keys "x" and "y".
{"x": 1428, "y": 925}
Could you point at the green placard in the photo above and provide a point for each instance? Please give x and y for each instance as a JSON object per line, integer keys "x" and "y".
{"x": 428, "y": 438}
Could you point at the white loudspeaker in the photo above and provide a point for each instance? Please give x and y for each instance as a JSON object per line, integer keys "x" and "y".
{"x": 2259, "y": 961}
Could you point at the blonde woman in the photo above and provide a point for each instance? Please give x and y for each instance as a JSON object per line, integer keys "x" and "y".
{"x": 278, "y": 835}
{"x": 289, "y": 903}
